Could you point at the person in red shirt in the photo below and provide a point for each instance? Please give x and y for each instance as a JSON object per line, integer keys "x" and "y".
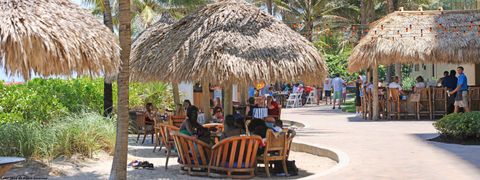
{"x": 273, "y": 108}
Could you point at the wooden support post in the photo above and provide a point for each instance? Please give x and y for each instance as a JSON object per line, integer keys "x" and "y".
{"x": 206, "y": 100}
{"x": 176, "y": 97}
{"x": 243, "y": 92}
{"x": 398, "y": 71}
{"x": 228, "y": 106}
{"x": 375, "y": 92}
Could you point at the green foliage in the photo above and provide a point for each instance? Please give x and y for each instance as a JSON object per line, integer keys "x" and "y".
{"x": 408, "y": 82}
{"x": 74, "y": 134}
{"x": 44, "y": 99}
{"x": 460, "y": 125}
{"x": 160, "y": 94}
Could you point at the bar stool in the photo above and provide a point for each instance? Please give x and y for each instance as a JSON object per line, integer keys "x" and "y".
{"x": 394, "y": 102}
{"x": 439, "y": 101}
{"x": 424, "y": 105}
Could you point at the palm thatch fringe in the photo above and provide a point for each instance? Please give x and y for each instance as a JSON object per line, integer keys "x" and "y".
{"x": 53, "y": 37}
{"x": 415, "y": 37}
{"x": 228, "y": 41}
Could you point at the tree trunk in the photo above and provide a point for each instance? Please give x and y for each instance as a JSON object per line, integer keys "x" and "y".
{"x": 206, "y": 100}
{"x": 270, "y": 7}
{"x": 228, "y": 106}
{"x": 119, "y": 164}
{"x": 398, "y": 71}
{"x": 390, "y": 6}
{"x": 176, "y": 96}
{"x": 107, "y": 84}
{"x": 375, "y": 92}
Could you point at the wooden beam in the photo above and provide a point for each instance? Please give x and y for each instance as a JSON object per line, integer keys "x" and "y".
{"x": 206, "y": 100}
{"x": 228, "y": 106}
{"x": 375, "y": 92}
{"x": 176, "y": 96}
{"x": 243, "y": 87}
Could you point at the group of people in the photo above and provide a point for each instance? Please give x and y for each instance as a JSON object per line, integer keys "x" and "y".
{"x": 338, "y": 87}
{"x": 457, "y": 89}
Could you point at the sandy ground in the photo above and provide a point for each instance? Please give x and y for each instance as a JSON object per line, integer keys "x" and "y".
{"x": 99, "y": 166}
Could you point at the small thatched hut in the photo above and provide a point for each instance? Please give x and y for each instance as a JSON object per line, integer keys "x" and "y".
{"x": 53, "y": 37}
{"x": 229, "y": 42}
{"x": 416, "y": 37}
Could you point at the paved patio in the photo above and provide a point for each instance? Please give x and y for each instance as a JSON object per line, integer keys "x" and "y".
{"x": 384, "y": 149}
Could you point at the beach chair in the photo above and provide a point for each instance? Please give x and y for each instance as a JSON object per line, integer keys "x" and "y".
{"x": 143, "y": 129}
{"x": 291, "y": 101}
{"x": 236, "y": 156}
{"x": 276, "y": 149}
{"x": 298, "y": 100}
{"x": 194, "y": 154}
{"x": 167, "y": 140}
{"x": 311, "y": 98}
{"x": 176, "y": 120}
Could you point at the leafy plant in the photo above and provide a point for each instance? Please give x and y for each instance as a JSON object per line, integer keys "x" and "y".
{"x": 460, "y": 125}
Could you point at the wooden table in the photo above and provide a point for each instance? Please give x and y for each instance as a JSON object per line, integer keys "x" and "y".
{"x": 6, "y": 163}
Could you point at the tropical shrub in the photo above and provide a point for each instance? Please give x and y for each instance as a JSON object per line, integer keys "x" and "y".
{"x": 74, "y": 134}
{"x": 460, "y": 125}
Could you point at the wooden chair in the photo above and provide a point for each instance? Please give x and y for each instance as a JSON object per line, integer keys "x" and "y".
{"x": 424, "y": 106}
{"x": 369, "y": 103}
{"x": 176, "y": 120}
{"x": 474, "y": 98}
{"x": 276, "y": 148}
{"x": 235, "y": 155}
{"x": 439, "y": 101}
{"x": 394, "y": 102}
{"x": 167, "y": 140}
{"x": 194, "y": 154}
{"x": 142, "y": 128}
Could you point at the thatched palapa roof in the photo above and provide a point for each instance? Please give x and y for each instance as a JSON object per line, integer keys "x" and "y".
{"x": 225, "y": 41}
{"x": 53, "y": 37}
{"x": 414, "y": 37}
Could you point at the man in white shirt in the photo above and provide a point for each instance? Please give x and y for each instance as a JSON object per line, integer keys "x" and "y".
{"x": 395, "y": 84}
{"x": 327, "y": 87}
{"x": 338, "y": 84}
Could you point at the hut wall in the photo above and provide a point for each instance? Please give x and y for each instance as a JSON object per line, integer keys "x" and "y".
{"x": 186, "y": 92}
{"x": 433, "y": 72}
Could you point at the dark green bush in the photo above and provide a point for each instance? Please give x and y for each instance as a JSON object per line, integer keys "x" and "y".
{"x": 460, "y": 125}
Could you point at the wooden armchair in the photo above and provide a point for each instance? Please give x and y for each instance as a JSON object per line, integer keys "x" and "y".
{"x": 166, "y": 139}
{"x": 276, "y": 149}
{"x": 394, "y": 102}
{"x": 235, "y": 155}
{"x": 176, "y": 120}
{"x": 439, "y": 101}
{"x": 142, "y": 128}
{"x": 194, "y": 154}
{"x": 424, "y": 106}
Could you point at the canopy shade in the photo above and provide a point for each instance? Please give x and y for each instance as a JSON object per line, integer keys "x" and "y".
{"x": 414, "y": 37}
{"x": 228, "y": 41}
{"x": 54, "y": 37}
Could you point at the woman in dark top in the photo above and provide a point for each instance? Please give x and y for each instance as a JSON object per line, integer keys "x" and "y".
{"x": 192, "y": 128}
{"x": 150, "y": 114}
{"x": 358, "y": 99}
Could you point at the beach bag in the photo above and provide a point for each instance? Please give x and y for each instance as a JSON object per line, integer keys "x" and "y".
{"x": 415, "y": 97}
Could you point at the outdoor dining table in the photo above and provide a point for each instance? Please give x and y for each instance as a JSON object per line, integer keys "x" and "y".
{"x": 6, "y": 163}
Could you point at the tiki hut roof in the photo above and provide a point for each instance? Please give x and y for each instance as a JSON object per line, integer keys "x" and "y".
{"x": 414, "y": 37}
{"x": 53, "y": 37}
{"x": 226, "y": 41}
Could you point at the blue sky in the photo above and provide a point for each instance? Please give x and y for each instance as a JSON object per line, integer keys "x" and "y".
{"x": 3, "y": 75}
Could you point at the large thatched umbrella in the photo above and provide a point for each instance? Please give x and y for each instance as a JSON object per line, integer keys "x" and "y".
{"x": 416, "y": 37}
{"x": 53, "y": 37}
{"x": 224, "y": 43}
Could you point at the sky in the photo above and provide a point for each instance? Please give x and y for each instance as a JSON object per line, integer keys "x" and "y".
{"x": 3, "y": 75}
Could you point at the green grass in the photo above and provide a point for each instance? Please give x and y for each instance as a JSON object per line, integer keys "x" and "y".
{"x": 74, "y": 134}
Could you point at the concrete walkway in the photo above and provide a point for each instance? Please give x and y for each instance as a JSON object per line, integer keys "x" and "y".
{"x": 384, "y": 149}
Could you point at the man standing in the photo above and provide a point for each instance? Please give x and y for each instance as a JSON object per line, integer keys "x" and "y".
{"x": 338, "y": 84}
{"x": 327, "y": 87}
{"x": 450, "y": 83}
{"x": 442, "y": 79}
{"x": 461, "y": 99}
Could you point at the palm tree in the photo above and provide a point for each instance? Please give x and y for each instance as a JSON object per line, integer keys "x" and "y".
{"x": 119, "y": 164}
{"x": 314, "y": 13}
{"x": 273, "y": 6}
